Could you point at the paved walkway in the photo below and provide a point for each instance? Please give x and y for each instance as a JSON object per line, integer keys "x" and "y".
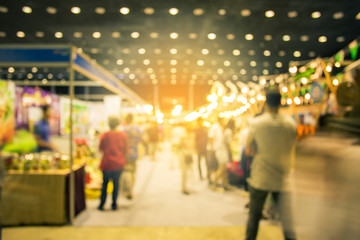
{"x": 158, "y": 200}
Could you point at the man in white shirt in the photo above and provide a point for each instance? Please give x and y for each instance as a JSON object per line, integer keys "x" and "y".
{"x": 275, "y": 137}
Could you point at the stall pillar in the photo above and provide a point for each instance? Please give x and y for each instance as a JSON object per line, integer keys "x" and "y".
{"x": 72, "y": 179}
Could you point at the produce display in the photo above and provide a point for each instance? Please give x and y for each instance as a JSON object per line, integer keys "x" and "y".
{"x": 36, "y": 161}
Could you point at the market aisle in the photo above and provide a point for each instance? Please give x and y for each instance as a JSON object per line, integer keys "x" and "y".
{"x": 158, "y": 200}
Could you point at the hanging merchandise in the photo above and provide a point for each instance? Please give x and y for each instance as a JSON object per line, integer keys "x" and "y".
{"x": 7, "y": 113}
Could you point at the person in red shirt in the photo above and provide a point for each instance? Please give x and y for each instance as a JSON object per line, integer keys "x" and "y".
{"x": 114, "y": 146}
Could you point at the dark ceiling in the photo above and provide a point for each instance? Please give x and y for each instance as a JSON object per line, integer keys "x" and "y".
{"x": 247, "y": 44}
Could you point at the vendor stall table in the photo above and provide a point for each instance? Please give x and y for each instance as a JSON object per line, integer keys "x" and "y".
{"x": 40, "y": 197}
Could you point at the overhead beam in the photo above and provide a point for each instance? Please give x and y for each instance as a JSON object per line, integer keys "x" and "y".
{"x": 58, "y": 83}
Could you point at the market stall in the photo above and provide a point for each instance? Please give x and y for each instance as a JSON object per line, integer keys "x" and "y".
{"x": 49, "y": 190}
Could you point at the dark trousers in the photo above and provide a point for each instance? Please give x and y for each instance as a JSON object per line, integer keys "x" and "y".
{"x": 201, "y": 155}
{"x": 114, "y": 176}
{"x": 257, "y": 200}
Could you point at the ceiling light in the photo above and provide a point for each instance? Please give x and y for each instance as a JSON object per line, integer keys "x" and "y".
{"x": 119, "y": 62}
{"x": 253, "y": 63}
{"x": 192, "y": 35}
{"x": 135, "y": 35}
{"x": 278, "y": 64}
{"x": 27, "y": 9}
{"x": 236, "y": 52}
{"x": 292, "y": 70}
{"x": 292, "y": 14}
{"x": 174, "y": 35}
{"x": 3, "y": 9}
{"x": 100, "y": 10}
{"x": 211, "y": 36}
{"x": 222, "y": 12}
{"x": 304, "y": 80}
{"x": 245, "y": 12}
{"x": 141, "y": 51}
{"x": 59, "y": 35}
{"x": 312, "y": 54}
{"x": 126, "y": 70}
{"x": 75, "y": 10}
{"x": 132, "y": 76}
{"x": 338, "y": 15}
{"x": 220, "y": 71}
{"x": 357, "y": 16}
{"x": 230, "y": 36}
{"x": 227, "y": 63}
{"x": 173, "y": 81}
{"x": 200, "y": 63}
{"x": 124, "y": 10}
{"x": 205, "y": 51}
{"x": 316, "y": 15}
{"x": 115, "y": 35}
{"x": 235, "y": 77}
{"x": 125, "y": 50}
{"x": 251, "y": 52}
{"x": 266, "y": 64}
{"x": 189, "y": 51}
{"x": 173, "y": 11}
{"x": 297, "y": 54}
{"x": 157, "y": 51}
{"x": 2, "y": 34}
{"x": 11, "y": 70}
{"x": 154, "y": 81}
{"x": 337, "y": 64}
{"x": 335, "y": 82}
{"x": 51, "y": 10}
{"x": 243, "y": 71}
{"x": 150, "y": 70}
{"x": 268, "y": 37}
{"x": 149, "y": 11}
{"x": 282, "y": 53}
{"x": 269, "y": 14}
{"x": 266, "y": 72}
{"x": 267, "y": 53}
{"x": 173, "y": 70}
{"x": 249, "y": 37}
{"x": 198, "y": 11}
{"x": 322, "y": 39}
{"x": 173, "y": 62}
{"x": 96, "y": 35}
{"x": 78, "y": 34}
{"x": 340, "y": 39}
{"x": 220, "y": 52}
{"x": 173, "y": 51}
{"x": 40, "y": 34}
{"x": 304, "y": 38}
{"x": 94, "y": 50}
{"x": 286, "y": 38}
{"x": 136, "y": 81}
{"x": 154, "y": 35}
{"x": 132, "y": 61}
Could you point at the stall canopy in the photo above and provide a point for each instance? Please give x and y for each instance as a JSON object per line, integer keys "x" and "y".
{"x": 64, "y": 56}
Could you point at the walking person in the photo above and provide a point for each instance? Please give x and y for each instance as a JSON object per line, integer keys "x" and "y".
{"x": 201, "y": 139}
{"x": 114, "y": 145}
{"x": 275, "y": 136}
{"x": 186, "y": 151}
{"x": 223, "y": 155}
{"x": 134, "y": 135}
